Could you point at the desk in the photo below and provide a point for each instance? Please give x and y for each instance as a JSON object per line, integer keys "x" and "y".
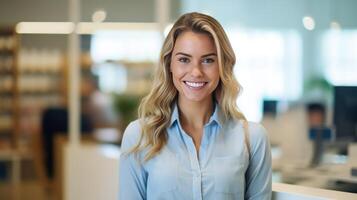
{"x": 327, "y": 177}
{"x": 336, "y": 168}
{"x": 295, "y": 192}
{"x": 91, "y": 172}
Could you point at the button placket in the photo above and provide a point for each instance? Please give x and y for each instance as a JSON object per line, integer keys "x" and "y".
{"x": 195, "y": 166}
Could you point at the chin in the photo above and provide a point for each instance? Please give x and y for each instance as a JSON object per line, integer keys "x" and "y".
{"x": 197, "y": 98}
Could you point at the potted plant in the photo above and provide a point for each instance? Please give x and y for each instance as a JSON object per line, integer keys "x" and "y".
{"x": 126, "y": 105}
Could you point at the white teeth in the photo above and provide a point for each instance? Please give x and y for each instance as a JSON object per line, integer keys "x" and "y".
{"x": 196, "y": 85}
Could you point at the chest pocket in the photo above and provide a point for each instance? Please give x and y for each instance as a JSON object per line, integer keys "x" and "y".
{"x": 229, "y": 175}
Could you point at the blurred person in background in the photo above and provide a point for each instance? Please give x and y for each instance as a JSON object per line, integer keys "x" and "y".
{"x": 316, "y": 117}
{"x": 316, "y": 114}
{"x": 97, "y": 105}
{"x": 96, "y": 112}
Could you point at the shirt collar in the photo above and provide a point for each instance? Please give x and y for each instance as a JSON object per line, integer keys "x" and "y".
{"x": 174, "y": 115}
{"x": 217, "y": 115}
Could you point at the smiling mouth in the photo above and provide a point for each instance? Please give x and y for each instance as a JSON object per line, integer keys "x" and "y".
{"x": 195, "y": 85}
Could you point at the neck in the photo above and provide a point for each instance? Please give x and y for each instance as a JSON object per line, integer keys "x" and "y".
{"x": 195, "y": 114}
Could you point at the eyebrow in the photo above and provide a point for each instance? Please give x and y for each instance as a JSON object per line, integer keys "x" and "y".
{"x": 188, "y": 55}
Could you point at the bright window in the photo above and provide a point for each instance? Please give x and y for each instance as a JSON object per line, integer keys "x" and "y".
{"x": 339, "y": 57}
{"x": 125, "y": 45}
{"x": 268, "y": 67}
{"x": 129, "y": 45}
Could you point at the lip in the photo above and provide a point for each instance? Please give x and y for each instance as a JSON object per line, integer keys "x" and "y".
{"x": 195, "y": 85}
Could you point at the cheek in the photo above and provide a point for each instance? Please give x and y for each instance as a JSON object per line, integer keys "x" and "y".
{"x": 176, "y": 71}
{"x": 176, "y": 75}
{"x": 214, "y": 75}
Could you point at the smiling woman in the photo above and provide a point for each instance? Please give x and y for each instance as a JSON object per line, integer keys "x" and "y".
{"x": 191, "y": 141}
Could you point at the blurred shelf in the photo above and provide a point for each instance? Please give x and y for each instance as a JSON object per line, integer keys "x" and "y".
{"x": 53, "y": 74}
{"x": 7, "y": 52}
{"x": 5, "y": 111}
{"x": 40, "y": 93}
{"x": 5, "y": 130}
{"x": 6, "y": 72}
{"x": 7, "y": 30}
{"x": 8, "y": 153}
{"x": 6, "y": 93}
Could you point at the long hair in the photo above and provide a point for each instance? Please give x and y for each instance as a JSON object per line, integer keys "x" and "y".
{"x": 155, "y": 109}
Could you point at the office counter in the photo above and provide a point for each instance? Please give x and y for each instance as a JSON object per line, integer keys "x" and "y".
{"x": 294, "y": 192}
{"x": 91, "y": 172}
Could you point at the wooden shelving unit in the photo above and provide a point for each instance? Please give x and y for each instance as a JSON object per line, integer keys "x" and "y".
{"x": 30, "y": 81}
{"x": 9, "y": 100}
{"x": 139, "y": 76}
{"x": 42, "y": 84}
{"x": 9, "y": 93}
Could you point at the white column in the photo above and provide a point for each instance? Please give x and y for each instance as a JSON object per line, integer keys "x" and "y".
{"x": 162, "y": 14}
{"x": 74, "y": 74}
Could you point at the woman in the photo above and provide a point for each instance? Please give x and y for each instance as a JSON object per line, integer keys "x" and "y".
{"x": 190, "y": 141}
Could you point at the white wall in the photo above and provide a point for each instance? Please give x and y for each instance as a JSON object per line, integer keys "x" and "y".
{"x": 283, "y": 15}
{"x": 277, "y": 14}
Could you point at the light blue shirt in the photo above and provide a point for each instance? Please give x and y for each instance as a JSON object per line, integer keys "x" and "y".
{"x": 223, "y": 170}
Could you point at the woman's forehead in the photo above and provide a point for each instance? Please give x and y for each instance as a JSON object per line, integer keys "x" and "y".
{"x": 194, "y": 43}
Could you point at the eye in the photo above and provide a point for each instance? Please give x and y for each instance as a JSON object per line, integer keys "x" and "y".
{"x": 208, "y": 60}
{"x": 184, "y": 60}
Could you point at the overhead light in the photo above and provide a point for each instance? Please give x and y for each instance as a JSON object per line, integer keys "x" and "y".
{"x": 45, "y": 27}
{"x": 82, "y": 28}
{"x": 309, "y": 23}
{"x": 89, "y": 28}
{"x": 334, "y": 25}
{"x": 99, "y": 16}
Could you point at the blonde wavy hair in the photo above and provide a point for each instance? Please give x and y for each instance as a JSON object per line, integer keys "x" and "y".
{"x": 156, "y": 108}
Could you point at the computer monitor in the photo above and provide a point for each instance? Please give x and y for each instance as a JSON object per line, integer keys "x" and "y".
{"x": 345, "y": 113}
{"x": 270, "y": 107}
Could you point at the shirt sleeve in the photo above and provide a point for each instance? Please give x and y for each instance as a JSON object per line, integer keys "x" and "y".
{"x": 259, "y": 172}
{"x": 132, "y": 177}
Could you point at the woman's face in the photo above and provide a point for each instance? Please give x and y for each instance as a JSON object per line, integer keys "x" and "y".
{"x": 194, "y": 66}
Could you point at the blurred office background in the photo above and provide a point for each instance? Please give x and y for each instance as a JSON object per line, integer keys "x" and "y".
{"x": 296, "y": 61}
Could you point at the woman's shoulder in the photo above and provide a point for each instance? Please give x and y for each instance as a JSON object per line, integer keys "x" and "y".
{"x": 254, "y": 127}
{"x": 131, "y": 134}
{"x": 258, "y": 136}
{"x": 256, "y": 130}
{"x": 257, "y": 133}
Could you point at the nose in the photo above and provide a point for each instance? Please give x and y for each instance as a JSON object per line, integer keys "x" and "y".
{"x": 196, "y": 71}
